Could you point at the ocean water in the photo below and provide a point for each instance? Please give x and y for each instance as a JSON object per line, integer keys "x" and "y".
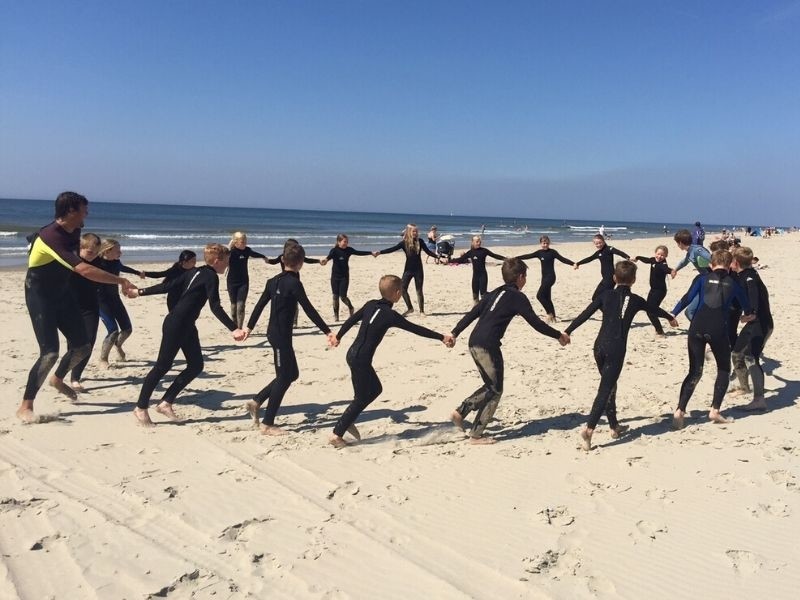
{"x": 159, "y": 232}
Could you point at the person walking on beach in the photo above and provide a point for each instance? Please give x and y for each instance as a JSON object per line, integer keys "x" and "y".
{"x": 494, "y": 312}
{"x": 52, "y": 258}
{"x": 477, "y": 256}
{"x": 376, "y": 317}
{"x": 198, "y": 286}
{"x": 659, "y": 269}
{"x": 411, "y": 246}
{"x": 547, "y": 256}
{"x": 285, "y": 291}
{"x": 618, "y": 306}
{"x": 432, "y": 239}
{"x": 605, "y": 254}
{"x": 238, "y": 278}
{"x": 340, "y": 271}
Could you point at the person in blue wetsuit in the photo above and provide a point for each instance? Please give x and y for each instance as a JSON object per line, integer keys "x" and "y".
{"x": 340, "y": 271}
{"x": 605, "y": 254}
{"x": 547, "y": 257}
{"x": 477, "y": 256}
{"x": 411, "y": 245}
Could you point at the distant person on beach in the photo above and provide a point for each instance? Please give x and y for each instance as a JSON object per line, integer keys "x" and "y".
{"x": 238, "y": 279}
{"x": 52, "y": 258}
{"x": 376, "y": 317}
{"x": 285, "y": 291}
{"x": 715, "y": 291}
{"x": 699, "y": 234}
{"x": 411, "y": 246}
{"x": 618, "y": 306}
{"x": 198, "y": 286}
{"x": 746, "y": 352}
{"x": 432, "y": 239}
{"x": 112, "y": 309}
{"x": 477, "y": 256}
{"x": 85, "y": 291}
{"x": 340, "y": 272}
{"x": 547, "y": 257}
{"x": 605, "y": 254}
{"x": 659, "y": 270}
{"x": 278, "y": 260}
{"x": 494, "y": 312}
{"x": 187, "y": 260}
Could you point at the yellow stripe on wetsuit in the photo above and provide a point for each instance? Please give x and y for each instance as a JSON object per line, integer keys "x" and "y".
{"x": 41, "y": 254}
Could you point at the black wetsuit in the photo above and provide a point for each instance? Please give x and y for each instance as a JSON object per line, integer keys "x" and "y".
{"x": 285, "y": 291}
{"x": 198, "y": 286}
{"x": 658, "y": 286}
{"x": 715, "y": 292}
{"x": 238, "y": 281}
{"x": 278, "y": 260}
{"x": 340, "y": 275}
{"x": 494, "y": 312}
{"x": 619, "y": 307}
{"x": 376, "y": 317}
{"x": 480, "y": 279}
{"x": 112, "y": 310}
{"x": 173, "y": 272}
{"x": 750, "y": 342}
{"x": 51, "y": 302}
{"x": 548, "y": 259}
{"x": 606, "y": 257}
{"x": 412, "y": 270}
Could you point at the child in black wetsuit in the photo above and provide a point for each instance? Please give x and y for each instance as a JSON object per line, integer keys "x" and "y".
{"x": 411, "y": 246}
{"x": 477, "y": 256}
{"x": 619, "y": 306}
{"x": 187, "y": 260}
{"x": 548, "y": 258}
{"x": 238, "y": 278}
{"x": 715, "y": 292}
{"x": 605, "y": 254}
{"x": 376, "y": 318}
{"x": 494, "y": 312}
{"x": 285, "y": 291}
{"x": 198, "y": 286}
{"x": 340, "y": 272}
{"x": 658, "y": 282}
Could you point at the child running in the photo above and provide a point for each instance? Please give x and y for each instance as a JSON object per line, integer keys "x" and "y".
{"x": 112, "y": 310}
{"x": 548, "y": 258}
{"x": 618, "y": 307}
{"x": 477, "y": 256}
{"x": 286, "y": 292}
{"x": 494, "y": 312}
{"x": 605, "y": 254}
{"x": 715, "y": 291}
{"x": 198, "y": 286}
{"x": 658, "y": 282}
{"x": 376, "y": 317}
{"x": 187, "y": 260}
{"x": 411, "y": 246}
{"x": 340, "y": 272}
{"x": 238, "y": 279}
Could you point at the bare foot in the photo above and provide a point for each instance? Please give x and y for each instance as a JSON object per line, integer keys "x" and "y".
{"x": 271, "y": 430}
{"x": 252, "y": 408}
{"x": 586, "y": 439}
{"x": 143, "y": 417}
{"x": 353, "y": 430}
{"x": 716, "y": 417}
{"x": 758, "y": 403}
{"x": 661, "y": 334}
{"x": 677, "y": 419}
{"x": 63, "y": 388}
{"x": 165, "y": 408}
{"x": 551, "y": 318}
{"x": 103, "y": 364}
{"x": 121, "y": 353}
{"x": 738, "y": 391}
{"x": 25, "y": 412}
{"x": 457, "y": 419}
{"x": 337, "y": 442}
{"x": 482, "y": 441}
{"x": 408, "y": 312}
{"x": 619, "y": 431}
{"x": 76, "y": 385}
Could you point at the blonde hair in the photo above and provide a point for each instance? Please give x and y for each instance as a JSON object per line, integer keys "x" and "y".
{"x": 89, "y": 240}
{"x": 409, "y": 241}
{"x": 721, "y": 258}
{"x": 389, "y": 285}
{"x": 106, "y": 245}
{"x": 743, "y": 256}
{"x": 213, "y": 252}
{"x": 237, "y": 235}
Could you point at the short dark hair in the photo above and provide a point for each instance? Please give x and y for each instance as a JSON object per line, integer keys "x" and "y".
{"x": 512, "y": 268}
{"x": 293, "y": 255}
{"x": 625, "y": 272}
{"x": 683, "y": 237}
{"x": 68, "y": 202}
{"x": 718, "y": 245}
{"x": 721, "y": 258}
{"x": 186, "y": 256}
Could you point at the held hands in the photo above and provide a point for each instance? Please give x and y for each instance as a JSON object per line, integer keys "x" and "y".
{"x": 127, "y": 285}
{"x": 576, "y": 266}
{"x": 333, "y": 341}
{"x": 673, "y": 322}
{"x": 239, "y": 335}
{"x": 141, "y": 275}
{"x": 323, "y": 262}
{"x": 747, "y": 318}
{"x": 449, "y": 340}
{"x": 673, "y": 273}
{"x": 375, "y": 254}
{"x": 564, "y": 339}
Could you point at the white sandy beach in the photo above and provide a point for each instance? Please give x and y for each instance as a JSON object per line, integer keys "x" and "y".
{"x": 92, "y": 506}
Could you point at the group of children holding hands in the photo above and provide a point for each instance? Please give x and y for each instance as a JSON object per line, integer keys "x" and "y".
{"x": 717, "y": 299}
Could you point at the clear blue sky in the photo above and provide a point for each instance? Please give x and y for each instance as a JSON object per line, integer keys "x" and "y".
{"x": 630, "y": 109}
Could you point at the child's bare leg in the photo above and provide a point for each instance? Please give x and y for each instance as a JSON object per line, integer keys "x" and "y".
{"x": 271, "y": 430}
{"x": 337, "y": 441}
{"x": 63, "y": 388}
{"x": 586, "y": 439}
{"x": 678, "y": 418}
{"x": 143, "y": 417}
{"x": 353, "y": 430}
{"x": 716, "y": 417}
{"x": 252, "y": 409}
{"x": 165, "y": 408}
{"x": 758, "y": 403}
{"x": 457, "y": 419}
{"x": 25, "y": 412}
{"x": 618, "y": 431}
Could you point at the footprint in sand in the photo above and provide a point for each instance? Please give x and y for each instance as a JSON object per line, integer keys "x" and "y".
{"x": 236, "y": 531}
{"x": 646, "y": 531}
{"x": 45, "y": 542}
{"x": 558, "y": 515}
{"x": 784, "y": 479}
{"x": 770, "y": 510}
{"x": 9, "y": 504}
{"x": 542, "y": 563}
{"x": 745, "y": 562}
{"x": 660, "y": 494}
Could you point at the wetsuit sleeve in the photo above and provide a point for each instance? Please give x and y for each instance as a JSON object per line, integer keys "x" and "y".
{"x": 694, "y": 290}
{"x": 529, "y": 256}
{"x": 259, "y": 307}
{"x": 157, "y": 274}
{"x": 584, "y": 316}
{"x": 744, "y": 301}
{"x": 588, "y": 259}
{"x": 566, "y": 261}
{"x": 348, "y": 324}
{"x": 683, "y": 262}
{"x": 426, "y": 250}
{"x": 309, "y": 309}
{"x": 391, "y": 249}
{"x": 47, "y": 247}
{"x": 463, "y": 258}
{"x": 212, "y": 293}
{"x": 751, "y": 288}
{"x": 164, "y": 286}
{"x": 525, "y": 311}
{"x": 619, "y": 252}
{"x": 646, "y": 259}
{"x": 663, "y": 269}
{"x": 253, "y": 254}
{"x": 127, "y": 269}
{"x": 402, "y": 323}
{"x": 275, "y": 261}
{"x": 355, "y": 252}
{"x": 495, "y": 256}
{"x": 311, "y": 261}
{"x": 330, "y": 254}
{"x": 470, "y": 316}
